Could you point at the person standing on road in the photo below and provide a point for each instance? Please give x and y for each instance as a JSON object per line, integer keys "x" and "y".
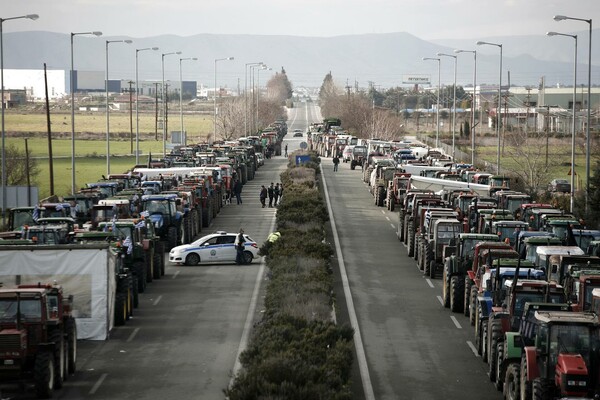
{"x": 286, "y": 150}
{"x": 263, "y": 195}
{"x": 239, "y": 248}
{"x": 336, "y": 161}
{"x": 237, "y": 190}
{"x": 271, "y": 192}
{"x": 276, "y": 194}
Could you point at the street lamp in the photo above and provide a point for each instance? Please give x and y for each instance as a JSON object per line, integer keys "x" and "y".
{"x": 589, "y": 105}
{"x": 181, "y": 97}
{"x": 499, "y": 102}
{"x": 71, "y": 82}
{"x": 246, "y": 94}
{"x": 164, "y": 98}
{"x": 472, "y": 102}
{"x": 572, "y": 203}
{"x": 4, "y": 205}
{"x": 137, "y": 118}
{"x": 215, "y": 98}
{"x": 263, "y": 68}
{"x": 107, "y": 111}
{"x": 453, "y": 104}
{"x": 437, "y": 111}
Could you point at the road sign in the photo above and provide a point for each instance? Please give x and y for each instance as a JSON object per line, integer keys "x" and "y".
{"x": 303, "y": 145}
{"x": 302, "y": 159}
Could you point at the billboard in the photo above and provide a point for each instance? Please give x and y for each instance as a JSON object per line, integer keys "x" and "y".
{"x": 416, "y": 79}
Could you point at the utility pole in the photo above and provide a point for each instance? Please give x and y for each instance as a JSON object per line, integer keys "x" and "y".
{"x": 130, "y": 91}
{"x": 156, "y": 110}
{"x": 528, "y": 105}
{"x": 348, "y": 89}
{"x": 165, "y": 119}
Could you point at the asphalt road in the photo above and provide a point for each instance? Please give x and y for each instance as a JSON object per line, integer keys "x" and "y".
{"x": 184, "y": 339}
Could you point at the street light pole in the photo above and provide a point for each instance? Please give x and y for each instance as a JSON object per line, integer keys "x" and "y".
{"x": 184, "y": 137}
{"x": 589, "y": 106}
{"x": 137, "y": 115}
{"x": 4, "y": 201}
{"x": 437, "y": 111}
{"x": 215, "y": 97}
{"x": 498, "y": 119}
{"x": 263, "y": 68}
{"x": 472, "y": 101}
{"x": 164, "y": 98}
{"x": 246, "y": 94}
{"x": 572, "y": 202}
{"x": 453, "y": 105}
{"x": 107, "y": 110}
{"x": 71, "y": 81}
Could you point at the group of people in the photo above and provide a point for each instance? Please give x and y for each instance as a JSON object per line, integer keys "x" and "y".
{"x": 273, "y": 192}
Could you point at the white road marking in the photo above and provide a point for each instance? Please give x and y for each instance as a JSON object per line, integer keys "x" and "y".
{"x": 429, "y": 283}
{"x": 157, "y": 300}
{"x": 383, "y": 212}
{"x": 358, "y": 343}
{"x": 393, "y": 227}
{"x": 388, "y": 218}
{"x": 440, "y": 300}
{"x": 135, "y": 331}
{"x": 98, "y": 383}
{"x": 472, "y": 347}
{"x": 456, "y": 323}
{"x": 175, "y": 274}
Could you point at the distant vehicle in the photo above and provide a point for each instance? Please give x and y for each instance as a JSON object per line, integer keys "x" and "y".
{"x": 559, "y": 186}
{"x": 216, "y": 247}
{"x": 297, "y": 133}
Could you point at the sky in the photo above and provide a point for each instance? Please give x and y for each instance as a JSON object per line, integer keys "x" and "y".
{"x": 426, "y": 19}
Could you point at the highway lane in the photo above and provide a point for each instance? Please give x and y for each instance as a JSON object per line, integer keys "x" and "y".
{"x": 415, "y": 348}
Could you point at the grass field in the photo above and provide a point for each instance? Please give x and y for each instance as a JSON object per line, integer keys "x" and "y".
{"x": 90, "y": 144}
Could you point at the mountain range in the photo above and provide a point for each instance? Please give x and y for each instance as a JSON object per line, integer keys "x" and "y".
{"x": 379, "y": 59}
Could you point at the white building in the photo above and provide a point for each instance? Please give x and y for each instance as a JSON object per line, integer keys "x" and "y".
{"x": 32, "y": 81}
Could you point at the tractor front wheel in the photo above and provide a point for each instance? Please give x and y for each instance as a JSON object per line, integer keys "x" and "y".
{"x": 457, "y": 292}
{"x": 172, "y": 237}
{"x": 542, "y": 389}
{"x": 43, "y": 374}
{"x": 511, "y": 382}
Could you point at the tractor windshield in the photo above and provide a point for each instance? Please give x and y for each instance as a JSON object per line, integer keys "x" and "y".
{"x": 157, "y": 207}
{"x": 570, "y": 339}
{"x": 30, "y": 309}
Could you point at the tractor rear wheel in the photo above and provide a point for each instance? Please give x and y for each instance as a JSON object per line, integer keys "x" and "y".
{"x": 432, "y": 269}
{"x": 149, "y": 262}
{"x": 133, "y": 285}
{"x": 353, "y": 165}
{"x": 56, "y": 337}
{"x": 511, "y": 382}
{"x": 140, "y": 273}
{"x": 467, "y": 293}
{"x": 410, "y": 240}
{"x": 542, "y": 389}
{"x": 71, "y": 329}
{"x": 43, "y": 374}
{"x": 120, "y": 309}
{"x": 499, "y": 372}
{"x": 457, "y": 292}
{"x": 524, "y": 385}
{"x": 446, "y": 284}
{"x": 472, "y": 301}
{"x": 484, "y": 338}
{"x": 159, "y": 257}
{"x": 172, "y": 237}
{"x": 495, "y": 337}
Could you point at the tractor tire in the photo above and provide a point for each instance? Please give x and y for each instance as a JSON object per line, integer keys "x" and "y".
{"x": 187, "y": 230}
{"x": 352, "y": 165}
{"x": 159, "y": 259}
{"x": 205, "y": 217}
{"x": 405, "y": 227}
{"x": 410, "y": 240}
{"x": 171, "y": 238}
{"x": 133, "y": 286}
{"x": 391, "y": 204}
{"x": 484, "y": 340}
{"x": 495, "y": 338}
{"x": 511, "y": 382}
{"x": 457, "y": 291}
{"x": 400, "y": 231}
{"x": 500, "y": 372}
{"x": 466, "y": 296}
{"x": 43, "y": 374}
{"x": 446, "y": 284}
{"x": 417, "y": 247}
{"x": 139, "y": 268}
{"x": 120, "y": 309}
{"x": 429, "y": 261}
{"x": 542, "y": 389}
{"x": 192, "y": 259}
{"x": 58, "y": 352}
{"x": 472, "y": 301}
{"x": 524, "y": 385}
{"x": 149, "y": 257}
{"x": 71, "y": 330}
{"x": 432, "y": 269}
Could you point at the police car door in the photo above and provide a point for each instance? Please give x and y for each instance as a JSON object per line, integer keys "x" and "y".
{"x": 226, "y": 248}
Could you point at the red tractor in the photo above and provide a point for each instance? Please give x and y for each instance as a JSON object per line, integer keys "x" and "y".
{"x": 38, "y": 337}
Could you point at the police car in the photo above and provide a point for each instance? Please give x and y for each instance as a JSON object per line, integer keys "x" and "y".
{"x": 216, "y": 247}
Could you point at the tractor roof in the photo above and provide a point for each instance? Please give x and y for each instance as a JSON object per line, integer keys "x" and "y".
{"x": 479, "y": 236}
{"x": 564, "y": 317}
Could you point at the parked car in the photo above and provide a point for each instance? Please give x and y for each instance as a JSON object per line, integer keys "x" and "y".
{"x": 216, "y": 247}
{"x": 559, "y": 186}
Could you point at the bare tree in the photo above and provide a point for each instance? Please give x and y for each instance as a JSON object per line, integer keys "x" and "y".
{"x": 16, "y": 174}
{"x": 528, "y": 153}
{"x": 230, "y": 119}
